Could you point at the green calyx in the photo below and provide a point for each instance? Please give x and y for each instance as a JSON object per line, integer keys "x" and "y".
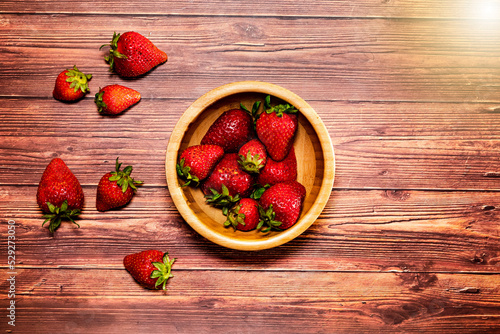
{"x": 279, "y": 109}
{"x": 222, "y": 200}
{"x": 183, "y": 171}
{"x": 57, "y": 214}
{"x": 234, "y": 218}
{"x": 99, "y": 102}
{"x": 251, "y": 163}
{"x": 122, "y": 177}
{"x": 267, "y": 218}
{"x": 254, "y": 113}
{"x": 113, "y": 52}
{"x": 78, "y": 79}
{"x": 163, "y": 271}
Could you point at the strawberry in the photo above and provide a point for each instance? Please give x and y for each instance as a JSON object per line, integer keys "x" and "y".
{"x": 132, "y": 54}
{"x": 59, "y": 194}
{"x": 253, "y": 156}
{"x": 196, "y": 162}
{"x": 230, "y": 130}
{"x": 116, "y": 189}
{"x": 244, "y": 216}
{"x": 71, "y": 85}
{"x": 281, "y": 205}
{"x": 279, "y": 171}
{"x": 150, "y": 268}
{"x": 276, "y": 128}
{"x": 114, "y": 99}
{"x": 227, "y": 173}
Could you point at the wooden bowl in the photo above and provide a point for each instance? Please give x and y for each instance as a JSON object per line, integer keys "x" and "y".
{"x": 313, "y": 148}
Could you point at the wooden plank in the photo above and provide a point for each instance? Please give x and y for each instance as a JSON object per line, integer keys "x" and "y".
{"x": 449, "y": 9}
{"x": 377, "y": 145}
{"x": 358, "y": 59}
{"x": 213, "y": 301}
{"x": 380, "y": 231}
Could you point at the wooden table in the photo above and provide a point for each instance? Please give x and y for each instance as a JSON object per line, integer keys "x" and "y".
{"x": 409, "y": 240}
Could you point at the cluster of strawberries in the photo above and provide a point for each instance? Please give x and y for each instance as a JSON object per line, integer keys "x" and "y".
{"x": 246, "y": 165}
{"x": 131, "y": 55}
{"x": 60, "y": 195}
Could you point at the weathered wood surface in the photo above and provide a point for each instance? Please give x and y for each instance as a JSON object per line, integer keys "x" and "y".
{"x": 409, "y": 240}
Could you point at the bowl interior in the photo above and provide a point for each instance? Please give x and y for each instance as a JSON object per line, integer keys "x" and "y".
{"x": 208, "y": 220}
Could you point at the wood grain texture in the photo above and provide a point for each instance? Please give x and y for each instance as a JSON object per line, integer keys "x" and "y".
{"x": 384, "y": 145}
{"x": 211, "y": 301}
{"x": 409, "y": 239}
{"x": 426, "y": 9}
{"x": 361, "y": 60}
{"x": 358, "y": 231}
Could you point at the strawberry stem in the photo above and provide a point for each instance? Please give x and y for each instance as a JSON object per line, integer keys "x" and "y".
{"x": 267, "y": 218}
{"x": 163, "y": 272}
{"x": 183, "y": 171}
{"x": 113, "y": 52}
{"x": 234, "y": 218}
{"x": 99, "y": 102}
{"x": 78, "y": 79}
{"x": 57, "y": 214}
{"x": 122, "y": 177}
{"x": 279, "y": 109}
{"x": 223, "y": 200}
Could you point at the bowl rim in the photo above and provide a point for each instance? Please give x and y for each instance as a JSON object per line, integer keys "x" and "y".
{"x": 207, "y": 100}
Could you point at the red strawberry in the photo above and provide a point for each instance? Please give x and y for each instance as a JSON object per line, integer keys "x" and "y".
{"x": 230, "y": 130}
{"x": 253, "y": 156}
{"x": 281, "y": 204}
{"x": 132, "y": 54}
{"x": 229, "y": 174}
{"x": 114, "y": 99}
{"x": 71, "y": 85}
{"x": 59, "y": 194}
{"x": 276, "y": 128}
{"x": 196, "y": 162}
{"x": 244, "y": 216}
{"x": 150, "y": 268}
{"x": 116, "y": 189}
{"x": 281, "y": 171}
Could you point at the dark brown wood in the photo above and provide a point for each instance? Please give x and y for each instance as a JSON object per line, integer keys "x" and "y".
{"x": 409, "y": 241}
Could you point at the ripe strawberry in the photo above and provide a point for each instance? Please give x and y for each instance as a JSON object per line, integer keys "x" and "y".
{"x": 229, "y": 174}
{"x": 196, "y": 162}
{"x": 276, "y": 128}
{"x": 59, "y": 194}
{"x": 150, "y": 268}
{"x": 116, "y": 189}
{"x": 281, "y": 171}
{"x": 114, "y": 99}
{"x": 253, "y": 156}
{"x": 230, "y": 130}
{"x": 281, "y": 205}
{"x": 132, "y": 54}
{"x": 244, "y": 216}
{"x": 71, "y": 85}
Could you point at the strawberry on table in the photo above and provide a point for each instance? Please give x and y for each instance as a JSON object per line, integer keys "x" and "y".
{"x": 276, "y": 128}
{"x": 114, "y": 99}
{"x": 116, "y": 189}
{"x": 59, "y": 194}
{"x": 230, "y": 130}
{"x": 279, "y": 171}
{"x": 197, "y": 161}
{"x": 253, "y": 156}
{"x": 71, "y": 85}
{"x": 281, "y": 205}
{"x": 132, "y": 54}
{"x": 244, "y": 216}
{"x": 150, "y": 268}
